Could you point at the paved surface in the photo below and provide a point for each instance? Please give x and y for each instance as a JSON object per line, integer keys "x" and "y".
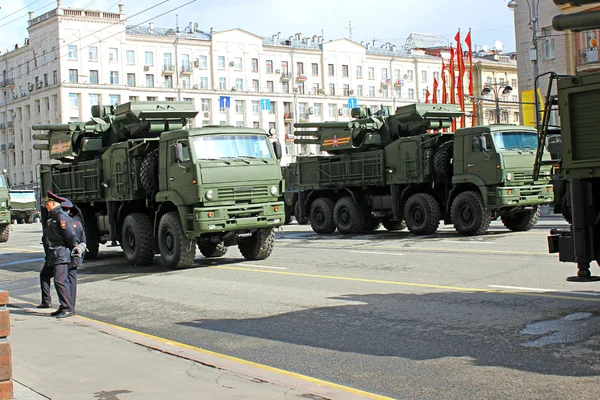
{"x": 389, "y": 313}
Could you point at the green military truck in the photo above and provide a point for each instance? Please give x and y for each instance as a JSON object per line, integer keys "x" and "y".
{"x": 401, "y": 169}
{"x": 4, "y": 211}
{"x": 139, "y": 177}
{"x": 23, "y": 206}
{"x": 578, "y": 100}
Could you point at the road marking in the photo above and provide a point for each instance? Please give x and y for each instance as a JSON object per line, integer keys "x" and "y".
{"x": 36, "y": 247}
{"x": 543, "y": 290}
{"x": 465, "y": 241}
{"x": 396, "y": 283}
{"x": 385, "y": 253}
{"x": 260, "y": 266}
{"x": 29, "y": 260}
{"x": 22, "y": 250}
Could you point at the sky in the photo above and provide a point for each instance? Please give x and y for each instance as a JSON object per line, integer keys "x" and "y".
{"x": 383, "y": 21}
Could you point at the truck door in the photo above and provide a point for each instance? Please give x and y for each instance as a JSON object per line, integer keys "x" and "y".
{"x": 180, "y": 173}
{"x": 479, "y": 156}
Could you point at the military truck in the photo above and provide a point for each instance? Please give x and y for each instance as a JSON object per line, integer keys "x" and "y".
{"x": 578, "y": 101}
{"x": 401, "y": 168}
{"x": 4, "y": 211}
{"x": 140, "y": 178}
{"x": 23, "y": 206}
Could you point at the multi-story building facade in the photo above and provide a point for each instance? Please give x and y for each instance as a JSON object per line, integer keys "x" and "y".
{"x": 76, "y": 58}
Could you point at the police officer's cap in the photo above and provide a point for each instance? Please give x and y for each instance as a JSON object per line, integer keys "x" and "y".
{"x": 66, "y": 203}
{"x": 52, "y": 197}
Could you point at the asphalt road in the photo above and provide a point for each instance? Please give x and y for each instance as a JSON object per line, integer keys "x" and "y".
{"x": 442, "y": 316}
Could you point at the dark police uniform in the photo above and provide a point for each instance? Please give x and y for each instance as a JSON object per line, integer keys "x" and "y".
{"x": 77, "y": 261}
{"x": 59, "y": 239}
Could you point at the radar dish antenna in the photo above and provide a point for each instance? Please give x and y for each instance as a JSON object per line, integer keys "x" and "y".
{"x": 499, "y": 45}
{"x": 486, "y": 48}
{"x": 196, "y": 25}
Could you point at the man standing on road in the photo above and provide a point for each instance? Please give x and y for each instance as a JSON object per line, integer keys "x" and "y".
{"x": 59, "y": 240}
{"x": 76, "y": 256}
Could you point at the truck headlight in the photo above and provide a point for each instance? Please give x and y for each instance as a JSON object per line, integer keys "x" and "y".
{"x": 509, "y": 176}
{"x": 210, "y": 194}
{"x": 274, "y": 190}
{"x": 3, "y": 204}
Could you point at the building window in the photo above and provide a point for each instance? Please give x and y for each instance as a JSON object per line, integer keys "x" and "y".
{"x": 73, "y": 76}
{"x": 167, "y": 60}
{"x": 398, "y": 93}
{"x": 204, "y": 83}
{"x": 270, "y": 87}
{"x": 423, "y": 76}
{"x": 222, "y": 84}
{"x": 239, "y": 84}
{"x": 317, "y": 108}
{"x": 285, "y": 87}
{"x": 73, "y": 100}
{"x": 114, "y": 77}
{"x": 129, "y": 55}
{"x": 359, "y": 72}
{"x": 410, "y": 75}
{"x": 114, "y": 99}
{"x": 150, "y": 80}
{"x": 94, "y": 99}
{"x": 149, "y": 58}
{"x": 169, "y": 98}
{"x": 255, "y": 85}
{"x": 239, "y": 106}
{"x": 255, "y": 107}
{"x": 330, "y": 69}
{"x": 489, "y": 80}
{"x": 300, "y": 87}
{"x": 55, "y": 77}
{"x": 285, "y": 69}
{"x": 150, "y": 98}
{"x": 359, "y": 90}
{"x": 371, "y": 91}
{"x": 205, "y": 104}
{"x": 315, "y": 88}
{"x": 371, "y": 72}
{"x": 549, "y": 51}
{"x": 255, "y": 65}
{"x": 269, "y": 66}
{"x": 332, "y": 89}
{"x": 133, "y": 98}
{"x": 203, "y": 62}
{"x": 300, "y": 68}
{"x": 272, "y": 105}
{"x": 331, "y": 108}
{"x": 315, "y": 69}
{"x": 131, "y": 80}
{"x": 255, "y": 124}
{"x": 72, "y": 52}
{"x": 93, "y": 53}
{"x": 221, "y": 62}
{"x": 436, "y": 76}
{"x": 169, "y": 81}
{"x": 411, "y": 94}
{"x": 185, "y": 82}
{"x": 237, "y": 63}
{"x": 384, "y": 73}
{"x": 113, "y": 55}
{"x": 346, "y": 90}
{"x": 345, "y": 71}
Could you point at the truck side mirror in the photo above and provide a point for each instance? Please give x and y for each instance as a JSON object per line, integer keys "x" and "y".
{"x": 277, "y": 148}
{"x": 178, "y": 152}
{"x": 485, "y": 143}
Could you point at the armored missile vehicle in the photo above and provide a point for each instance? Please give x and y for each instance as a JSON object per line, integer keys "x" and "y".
{"x": 140, "y": 178}
{"x": 4, "y": 211}
{"x": 402, "y": 167}
{"x": 23, "y": 205}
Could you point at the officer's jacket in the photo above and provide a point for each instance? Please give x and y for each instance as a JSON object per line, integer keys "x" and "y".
{"x": 80, "y": 236}
{"x": 59, "y": 237}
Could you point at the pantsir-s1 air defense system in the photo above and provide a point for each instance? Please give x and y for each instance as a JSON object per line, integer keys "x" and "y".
{"x": 4, "y": 211}
{"x": 394, "y": 168}
{"x": 139, "y": 177}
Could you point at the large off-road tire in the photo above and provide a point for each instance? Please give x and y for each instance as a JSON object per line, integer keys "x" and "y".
{"x": 442, "y": 162}
{"x": 422, "y": 214}
{"x": 29, "y": 219}
{"x": 348, "y": 216}
{"x": 321, "y": 215}
{"x": 92, "y": 235}
{"x": 4, "y": 233}
{"x": 300, "y": 221}
{"x": 212, "y": 250}
{"x": 521, "y": 221}
{"x": 258, "y": 246}
{"x": 469, "y": 214}
{"x": 21, "y": 221}
{"x": 565, "y": 209}
{"x": 149, "y": 174}
{"x": 394, "y": 225}
{"x": 288, "y": 215}
{"x": 136, "y": 239}
{"x": 176, "y": 249}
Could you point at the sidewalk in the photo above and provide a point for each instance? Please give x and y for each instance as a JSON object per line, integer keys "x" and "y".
{"x": 78, "y": 358}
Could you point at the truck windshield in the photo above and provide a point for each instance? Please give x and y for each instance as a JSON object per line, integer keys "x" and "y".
{"x": 2, "y": 184}
{"x": 21, "y": 196}
{"x": 231, "y": 146}
{"x": 515, "y": 140}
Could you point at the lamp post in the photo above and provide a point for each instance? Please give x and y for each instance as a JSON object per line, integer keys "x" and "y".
{"x": 498, "y": 89}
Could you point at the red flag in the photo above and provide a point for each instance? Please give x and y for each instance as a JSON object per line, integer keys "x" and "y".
{"x": 468, "y": 42}
{"x": 460, "y": 85}
{"x": 427, "y": 96}
{"x": 452, "y": 84}
{"x": 444, "y": 94}
{"x": 434, "y": 99}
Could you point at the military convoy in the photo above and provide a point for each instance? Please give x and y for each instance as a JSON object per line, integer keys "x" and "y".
{"x": 578, "y": 100}
{"x": 23, "y": 206}
{"x": 140, "y": 178}
{"x": 404, "y": 169}
{"x": 4, "y": 211}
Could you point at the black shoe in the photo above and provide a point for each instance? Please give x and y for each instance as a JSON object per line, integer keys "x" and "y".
{"x": 65, "y": 314}
{"x": 44, "y": 305}
{"x": 57, "y": 312}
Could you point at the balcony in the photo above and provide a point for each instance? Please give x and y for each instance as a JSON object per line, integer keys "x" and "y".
{"x": 301, "y": 77}
{"x": 285, "y": 77}
{"x": 588, "y": 60}
{"x": 186, "y": 68}
{"x": 8, "y": 83}
{"x": 11, "y": 146}
{"x": 398, "y": 82}
{"x": 2, "y": 147}
{"x": 303, "y": 117}
{"x": 168, "y": 69}
{"x": 288, "y": 116}
{"x": 385, "y": 82}
{"x": 10, "y": 124}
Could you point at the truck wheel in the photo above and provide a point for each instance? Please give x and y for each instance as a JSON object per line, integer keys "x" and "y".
{"x": 149, "y": 174}
{"x": 21, "y": 221}
{"x": 422, "y": 214}
{"x": 29, "y": 219}
{"x": 92, "y": 235}
{"x": 4, "y": 233}
{"x": 176, "y": 249}
{"x": 565, "y": 209}
{"x": 258, "y": 246}
{"x": 521, "y": 221}
{"x": 288, "y": 215}
{"x": 442, "y": 162}
{"x": 136, "y": 239}
{"x": 348, "y": 216}
{"x": 300, "y": 221}
{"x": 212, "y": 250}
{"x": 469, "y": 214}
{"x": 394, "y": 225}
{"x": 321, "y": 215}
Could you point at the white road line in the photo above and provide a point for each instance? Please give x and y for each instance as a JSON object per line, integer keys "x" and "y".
{"x": 543, "y": 290}
{"x": 465, "y": 241}
{"x": 37, "y": 247}
{"x": 260, "y": 266}
{"x": 385, "y": 253}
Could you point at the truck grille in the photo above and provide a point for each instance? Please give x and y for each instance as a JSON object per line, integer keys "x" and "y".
{"x": 521, "y": 176}
{"x": 242, "y": 193}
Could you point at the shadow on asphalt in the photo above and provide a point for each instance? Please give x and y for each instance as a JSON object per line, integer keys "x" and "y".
{"x": 519, "y": 331}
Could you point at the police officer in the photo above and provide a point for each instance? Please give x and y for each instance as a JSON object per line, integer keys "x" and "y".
{"x": 60, "y": 239}
{"x": 76, "y": 257}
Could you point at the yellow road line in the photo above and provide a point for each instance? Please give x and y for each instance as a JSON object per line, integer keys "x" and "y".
{"x": 21, "y": 250}
{"x": 397, "y": 283}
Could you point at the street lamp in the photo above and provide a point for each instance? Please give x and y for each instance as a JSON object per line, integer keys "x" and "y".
{"x": 498, "y": 89}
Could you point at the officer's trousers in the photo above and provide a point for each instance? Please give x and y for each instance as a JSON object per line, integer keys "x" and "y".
{"x": 73, "y": 286}
{"x": 46, "y": 275}
{"x": 63, "y": 287}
